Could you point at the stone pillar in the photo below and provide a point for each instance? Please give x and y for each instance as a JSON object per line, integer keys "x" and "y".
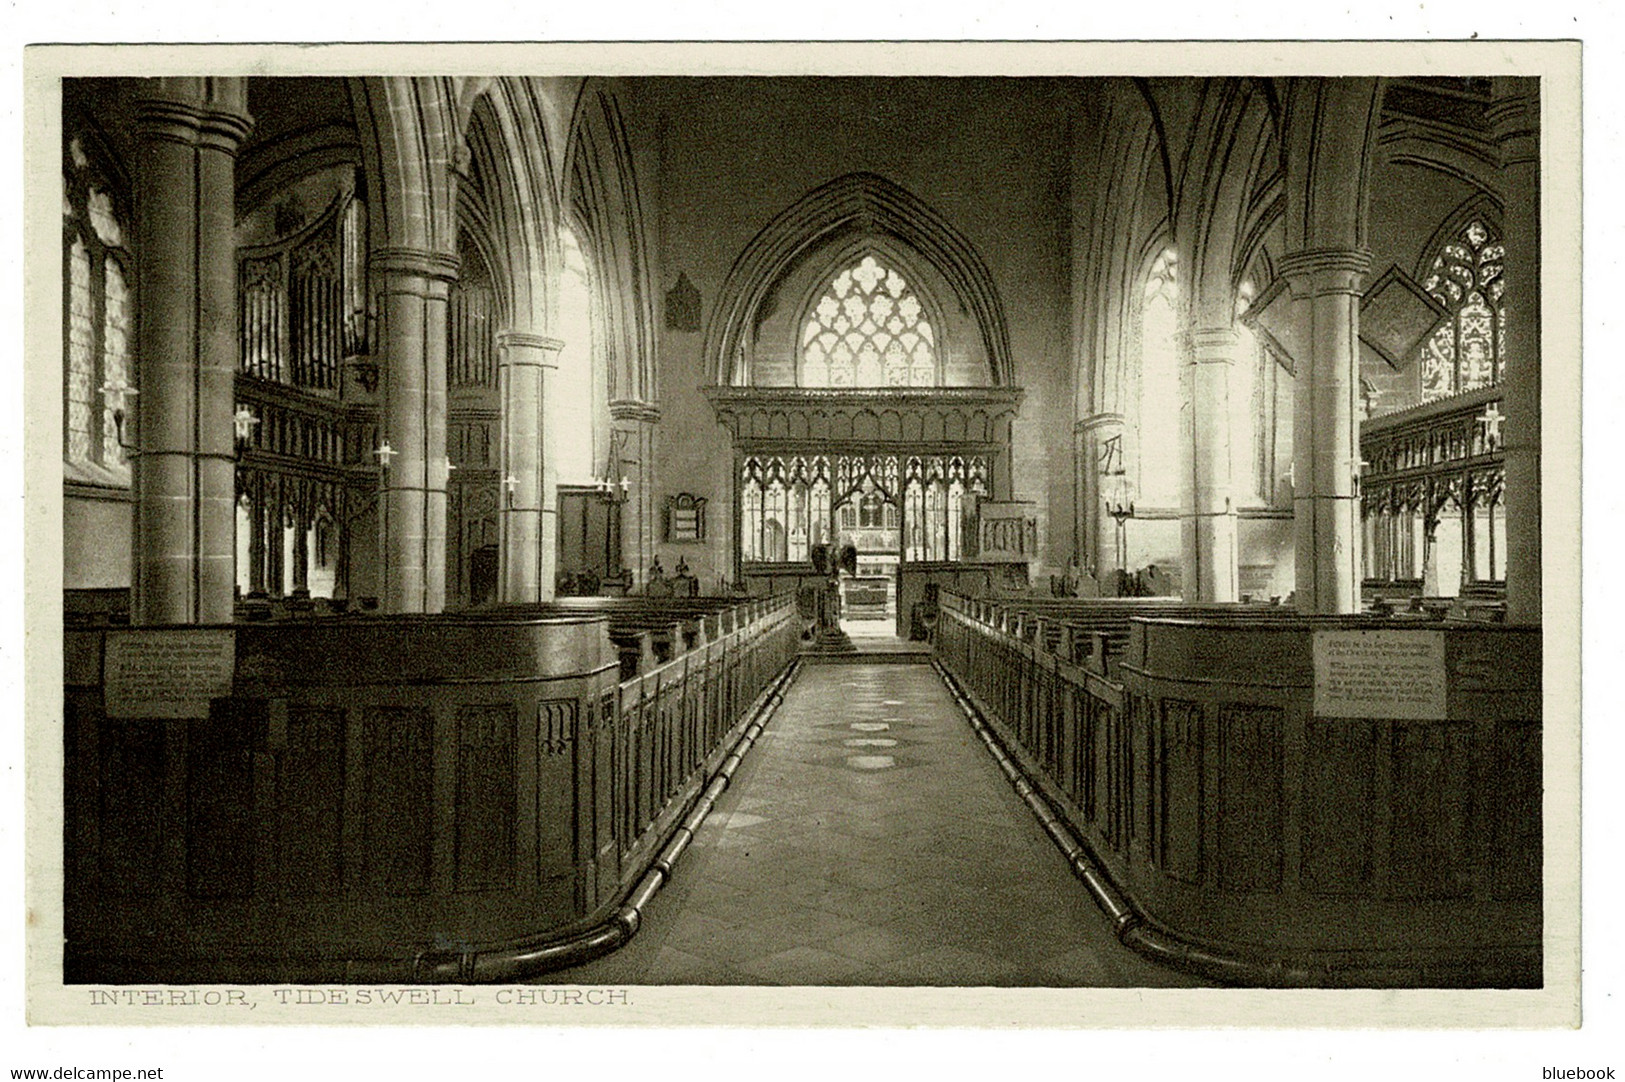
{"x": 413, "y": 288}
{"x": 188, "y": 131}
{"x": 1207, "y": 511}
{"x": 528, "y": 543}
{"x": 1097, "y": 531}
{"x": 632, "y": 427}
{"x": 1326, "y": 287}
{"x": 1515, "y": 115}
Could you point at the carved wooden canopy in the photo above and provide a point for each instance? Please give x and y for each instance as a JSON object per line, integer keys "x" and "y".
{"x": 925, "y": 418}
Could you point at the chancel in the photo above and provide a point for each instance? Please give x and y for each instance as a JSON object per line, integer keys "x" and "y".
{"x": 1044, "y": 531}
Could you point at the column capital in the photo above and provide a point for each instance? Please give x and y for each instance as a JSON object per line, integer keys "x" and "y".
{"x": 1213, "y": 345}
{"x": 1096, "y": 421}
{"x": 528, "y": 340}
{"x": 415, "y": 262}
{"x": 1317, "y": 272}
{"x": 630, "y": 409}
{"x": 191, "y": 116}
{"x": 1514, "y": 117}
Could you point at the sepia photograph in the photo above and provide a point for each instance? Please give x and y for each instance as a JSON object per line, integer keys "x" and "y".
{"x": 1052, "y": 535}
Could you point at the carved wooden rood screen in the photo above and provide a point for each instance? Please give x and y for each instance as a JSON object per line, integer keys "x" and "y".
{"x": 899, "y": 471}
{"x": 1432, "y": 491}
{"x": 920, "y": 507}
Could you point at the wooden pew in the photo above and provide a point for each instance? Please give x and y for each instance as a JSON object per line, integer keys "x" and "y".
{"x": 1098, "y": 628}
{"x": 1254, "y": 834}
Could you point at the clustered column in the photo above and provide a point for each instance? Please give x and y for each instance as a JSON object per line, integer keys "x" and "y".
{"x": 1326, "y": 287}
{"x": 1515, "y": 115}
{"x": 528, "y": 471}
{"x": 413, "y": 291}
{"x": 188, "y": 131}
{"x": 1208, "y": 517}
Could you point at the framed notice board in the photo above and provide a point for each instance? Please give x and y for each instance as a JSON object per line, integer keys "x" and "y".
{"x": 685, "y": 518}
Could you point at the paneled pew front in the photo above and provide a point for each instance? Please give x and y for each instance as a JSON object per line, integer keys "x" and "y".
{"x": 385, "y": 798}
{"x": 1247, "y": 805}
{"x": 651, "y": 631}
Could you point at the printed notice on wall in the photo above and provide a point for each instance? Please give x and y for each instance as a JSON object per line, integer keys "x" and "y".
{"x": 1380, "y": 674}
{"x": 168, "y": 674}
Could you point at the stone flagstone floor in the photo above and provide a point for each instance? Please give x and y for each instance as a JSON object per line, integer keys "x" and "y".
{"x": 869, "y": 839}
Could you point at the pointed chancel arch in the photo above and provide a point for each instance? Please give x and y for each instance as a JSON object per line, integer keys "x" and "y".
{"x": 854, "y": 206}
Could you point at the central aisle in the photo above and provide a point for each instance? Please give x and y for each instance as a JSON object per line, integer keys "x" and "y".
{"x": 869, "y": 838}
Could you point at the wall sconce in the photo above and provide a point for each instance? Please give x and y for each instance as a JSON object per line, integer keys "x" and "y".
{"x": 114, "y": 394}
{"x": 1121, "y": 508}
{"x": 385, "y": 452}
{"x": 1115, "y": 494}
{"x": 244, "y": 422}
{"x": 614, "y": 491}
{"x": 511, "y": 483}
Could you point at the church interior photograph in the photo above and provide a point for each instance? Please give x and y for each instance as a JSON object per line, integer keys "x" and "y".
{"x": 1042, "y": 531}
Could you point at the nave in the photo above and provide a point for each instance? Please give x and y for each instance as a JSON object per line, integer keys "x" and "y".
{"x": 870, "y": 839}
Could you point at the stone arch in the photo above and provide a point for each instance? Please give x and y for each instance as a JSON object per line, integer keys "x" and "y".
{"x": 1329, "y": 130}
{"x": 604, "y": 205}
{"x": 408, "y": 137}
{"x": 516, "y": 213}
{"x": 858, "y": 204}
{"x": 1130, "y": 225}
{"x": 1231, "y": 145}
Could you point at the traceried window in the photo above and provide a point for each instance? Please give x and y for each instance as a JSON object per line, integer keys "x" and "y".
{"x": 1467, "y": 352}
{"x": 1159, "y": 434}
{"x": 96, "y": 328}
{"x": 868, "y": 330}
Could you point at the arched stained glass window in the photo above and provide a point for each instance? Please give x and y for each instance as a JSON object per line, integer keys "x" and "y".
{"x": 1159, "y": 386}
{"x": 96, "y": 324}
{"x": 868, "y": 330}
{"x": 1466, "y": 352}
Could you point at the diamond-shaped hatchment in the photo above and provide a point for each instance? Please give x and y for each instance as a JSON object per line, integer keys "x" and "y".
{"x": 1279, "y": 325}
{"x": 1396, "y": 317}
